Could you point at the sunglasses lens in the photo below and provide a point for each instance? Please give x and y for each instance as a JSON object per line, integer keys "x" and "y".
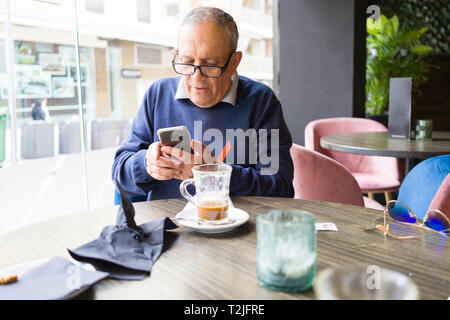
{"x": 400, "y": 212}
{"x": 437, "y": 221}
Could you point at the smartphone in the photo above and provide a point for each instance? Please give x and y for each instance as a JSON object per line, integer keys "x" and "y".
{"x": 178, "y": 137}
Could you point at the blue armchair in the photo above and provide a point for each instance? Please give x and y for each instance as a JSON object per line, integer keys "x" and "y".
{"x": 422, "y": 182}
{"x": 117, "y": 198}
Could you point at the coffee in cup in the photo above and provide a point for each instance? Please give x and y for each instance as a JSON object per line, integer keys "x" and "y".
{"x": 212, "y": 211}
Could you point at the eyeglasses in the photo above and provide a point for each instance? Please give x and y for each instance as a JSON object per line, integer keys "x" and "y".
{"x": 188, "y": 69}
{"x": 434, "y": 219}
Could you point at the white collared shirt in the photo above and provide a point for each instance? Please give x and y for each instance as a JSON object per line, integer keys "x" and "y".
{"x": 230, "y": 97}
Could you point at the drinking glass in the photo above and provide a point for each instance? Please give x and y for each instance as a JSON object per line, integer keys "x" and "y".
{"x": 364, "y": 282}
{"x": 212, "y": 186}
{"x": 286, "y": 249}
{"x": 424, "y": 129}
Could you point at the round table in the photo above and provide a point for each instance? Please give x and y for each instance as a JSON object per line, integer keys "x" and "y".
{"x": 379, "y": 144}
{"x": 223, "y": 266}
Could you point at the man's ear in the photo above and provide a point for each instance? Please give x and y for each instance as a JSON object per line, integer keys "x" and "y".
{"x": 236, "y": 60}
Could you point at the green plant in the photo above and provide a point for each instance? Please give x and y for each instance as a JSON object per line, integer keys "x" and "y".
{"x": 434, "y": 14}
{"x": 392, "y": 51}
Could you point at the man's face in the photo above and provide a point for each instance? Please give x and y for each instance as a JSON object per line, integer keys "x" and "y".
{"x": 205, "y": 44}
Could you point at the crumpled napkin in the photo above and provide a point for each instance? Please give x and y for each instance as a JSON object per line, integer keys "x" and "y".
{"x": 126, "y": 251}
{"x": 57, "y": 278}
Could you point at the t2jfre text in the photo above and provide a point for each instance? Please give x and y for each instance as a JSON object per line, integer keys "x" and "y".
{"x": 231, "y": 309}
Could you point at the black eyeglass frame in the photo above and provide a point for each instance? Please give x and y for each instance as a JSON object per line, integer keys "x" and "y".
{"x": 222, "y": 69}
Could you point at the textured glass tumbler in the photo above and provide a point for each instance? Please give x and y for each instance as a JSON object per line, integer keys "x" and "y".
{"x": 286, "y": 250}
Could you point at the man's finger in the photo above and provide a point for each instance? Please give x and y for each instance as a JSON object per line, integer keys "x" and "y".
{"x": 183, "y": 156}
{"x": 158, "y": 151}
{"x": 157, "y": 176}
{"x": 168, "y": 172}
{"x": 162, "y": 171}
{"x": 168, "y": 157}
{"x": 197, "y": 146}
{"x": 202, "y": 152}
{"x": 167, "y": 162}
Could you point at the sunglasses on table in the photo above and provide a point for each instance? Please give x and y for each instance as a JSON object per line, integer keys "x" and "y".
{"x": 434, "y": 219}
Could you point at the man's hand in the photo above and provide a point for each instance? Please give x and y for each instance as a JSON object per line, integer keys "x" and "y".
{"x": 186, "y": 161}
{"x": 159, "y": 165}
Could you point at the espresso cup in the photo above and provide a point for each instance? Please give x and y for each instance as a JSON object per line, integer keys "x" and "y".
{"x": 212, "y": 185}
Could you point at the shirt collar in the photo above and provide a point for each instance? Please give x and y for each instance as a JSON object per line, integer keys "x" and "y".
{"x": 230, "y": 97}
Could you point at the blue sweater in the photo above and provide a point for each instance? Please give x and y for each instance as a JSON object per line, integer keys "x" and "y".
{"x": 256, "y": 107}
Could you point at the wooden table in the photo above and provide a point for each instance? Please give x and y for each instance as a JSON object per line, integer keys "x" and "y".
{"x": 379, "y": 144}
{"x": 223, "y": 266}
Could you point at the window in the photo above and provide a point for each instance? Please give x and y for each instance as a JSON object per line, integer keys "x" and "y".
{"x": 172, "y": 9}
{"x": 96, "y": 6}
{"x": 148, "y": 55}
{"x": 114, "y": 67}
{"x": 256, "y": 47}
{"x": 143, "y": 11}
{"x": 253, "y": 4}
{"x": 114, "y": 38}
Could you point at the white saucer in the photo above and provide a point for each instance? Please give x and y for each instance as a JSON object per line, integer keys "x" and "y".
{"x": 21, "y": 268}
{"x": 240, "y": 217}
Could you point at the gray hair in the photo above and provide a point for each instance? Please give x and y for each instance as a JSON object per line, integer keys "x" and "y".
{"x": 223, "y": 20}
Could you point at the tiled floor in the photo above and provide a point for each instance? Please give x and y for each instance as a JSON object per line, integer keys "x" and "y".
{"x": 41, "y": 189}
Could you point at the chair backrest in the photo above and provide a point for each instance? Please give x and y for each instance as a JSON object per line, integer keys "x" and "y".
{"x": 355, "y": 163}
{"x": 105, "y": 133}
{"x": 441, "y": 200}
{"x": 422, "y": 183}
{"x": 37, "y": 139}
{"x": 69, "y": 137}
{"x": 317, "y": 177}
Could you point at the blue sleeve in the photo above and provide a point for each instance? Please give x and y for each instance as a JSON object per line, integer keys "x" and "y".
{"x": 129, "y": 160}
{"x": 254, "y": 180}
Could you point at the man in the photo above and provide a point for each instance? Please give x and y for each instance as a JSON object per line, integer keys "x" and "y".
{"x": 209, "y": 97}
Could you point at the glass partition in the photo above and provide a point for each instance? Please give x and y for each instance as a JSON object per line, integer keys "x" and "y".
{"x": 118, "y": 48}
{"x": 42, "y": 172}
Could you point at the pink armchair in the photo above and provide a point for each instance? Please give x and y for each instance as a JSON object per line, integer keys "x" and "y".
{"x": 374, "y": 174}
{"x": 317, "y": 177}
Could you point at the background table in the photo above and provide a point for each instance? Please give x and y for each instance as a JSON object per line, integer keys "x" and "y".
{"x": 379, "y": 144}
{"x": 223, "y": 266}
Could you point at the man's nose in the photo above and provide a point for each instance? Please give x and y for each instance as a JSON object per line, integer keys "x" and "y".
{"x": 197, "y": 74}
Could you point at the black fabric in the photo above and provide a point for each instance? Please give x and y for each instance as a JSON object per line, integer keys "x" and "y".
{"x": 126, "y": 251}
